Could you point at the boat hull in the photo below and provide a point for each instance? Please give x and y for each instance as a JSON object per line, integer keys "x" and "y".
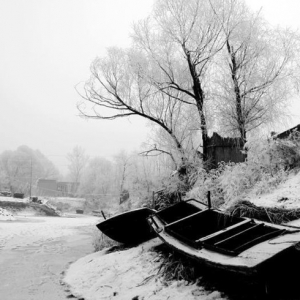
{"x": 199, "y": 237}
{"x": 130, "y": 227}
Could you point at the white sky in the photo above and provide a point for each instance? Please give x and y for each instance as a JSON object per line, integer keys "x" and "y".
{"x": 46, "y": 49}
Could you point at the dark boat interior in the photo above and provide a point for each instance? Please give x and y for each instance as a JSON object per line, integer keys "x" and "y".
{"x": 178, "y": 211}
{"x": 216, "y": 230}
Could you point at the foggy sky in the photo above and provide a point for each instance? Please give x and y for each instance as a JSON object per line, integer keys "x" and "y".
{"x": 46, "y": 49}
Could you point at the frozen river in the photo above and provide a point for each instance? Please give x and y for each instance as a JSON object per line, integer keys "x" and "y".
{"x": 34, "y": 252}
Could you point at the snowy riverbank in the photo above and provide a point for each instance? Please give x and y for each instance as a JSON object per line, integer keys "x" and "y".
{"x": 129, "y": 274}
{"x": 133, "y": 273}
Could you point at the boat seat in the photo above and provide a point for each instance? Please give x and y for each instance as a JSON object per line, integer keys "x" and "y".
{"x": 178, "y": 211}
{"x": 226, "y": 232}
{"x": 199, "y": 225}
{"x": 239, "y": 238}
{"x": 185, "y": 218}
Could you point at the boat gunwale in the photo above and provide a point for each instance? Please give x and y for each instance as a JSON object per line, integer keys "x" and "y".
{"x": 152, "y": 211}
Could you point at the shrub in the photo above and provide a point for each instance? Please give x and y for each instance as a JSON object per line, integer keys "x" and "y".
{"x": 269, "y": 163}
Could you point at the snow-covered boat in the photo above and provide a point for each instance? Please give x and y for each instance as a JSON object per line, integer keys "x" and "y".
{"x": 130, "y": 227}
{"x": 219, "y": 240}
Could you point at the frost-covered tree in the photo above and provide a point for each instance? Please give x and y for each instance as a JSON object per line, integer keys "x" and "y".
{"x": 21, "y": 168}
{"x": 98, "y": 178}
{"x": 256, "y": 71}
{"x": 163, "y": 73}
{"x": 77, "y": 162}
{"x": 120, "y": 87}
{"x": 193, "y": 63}
{"x": 181, "y": 38}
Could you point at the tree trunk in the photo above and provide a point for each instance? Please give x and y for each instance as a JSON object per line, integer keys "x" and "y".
{"x": 199, "y": 98}
{"x": 238, "y": 99}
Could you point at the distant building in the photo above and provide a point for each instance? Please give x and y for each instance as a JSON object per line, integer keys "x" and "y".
{"x": 67, "y": 188}
{"x": 46, "y": 187}
{"x": 54, "y": 188}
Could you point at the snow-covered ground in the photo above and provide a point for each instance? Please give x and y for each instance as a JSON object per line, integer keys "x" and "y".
{"x": 286, "y": 195}
{"x": 5, "y": 215}
{"x": 129, "y": 274}
{"x": 133, "y": 273}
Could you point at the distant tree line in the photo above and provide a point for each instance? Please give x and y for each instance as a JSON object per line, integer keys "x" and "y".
{"x": 21, "y": 168}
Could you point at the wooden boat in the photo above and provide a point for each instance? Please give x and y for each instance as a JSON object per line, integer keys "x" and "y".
{"x": 130, "y": 227}
{"x": 216, "y": 239}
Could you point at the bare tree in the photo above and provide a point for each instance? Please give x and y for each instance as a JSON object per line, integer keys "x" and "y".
{"x": 77, "y": 161}
{"x": 184, "y": 56}
{"x": 16, "y": 170}
{"x": 166, "y": 69}
{"x": 123, "y": 164}
{"x": 119, "y": 85}
{"x": 182, "y": 38}
{"x": 256, "y": 71}
{"x": 98, "y": 178}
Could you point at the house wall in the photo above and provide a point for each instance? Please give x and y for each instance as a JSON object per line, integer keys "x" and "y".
{"x": 52, "y": 188}
{"x": 67, "y": 188}
{"x": 46, "y": 187}
{"x": 219, "y": 154}
{"x": 224, "y": 150}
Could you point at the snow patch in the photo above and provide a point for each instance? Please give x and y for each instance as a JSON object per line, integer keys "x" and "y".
{"x": 286, "y": 195}
{"x": 128, "y": 274}
{"x": 5, "y": 215}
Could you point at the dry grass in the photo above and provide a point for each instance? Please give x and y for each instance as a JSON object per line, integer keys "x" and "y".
{"x": 176, "y": 266}
{"x": 274, "y": 215}
{"x": 101, "y": 241}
